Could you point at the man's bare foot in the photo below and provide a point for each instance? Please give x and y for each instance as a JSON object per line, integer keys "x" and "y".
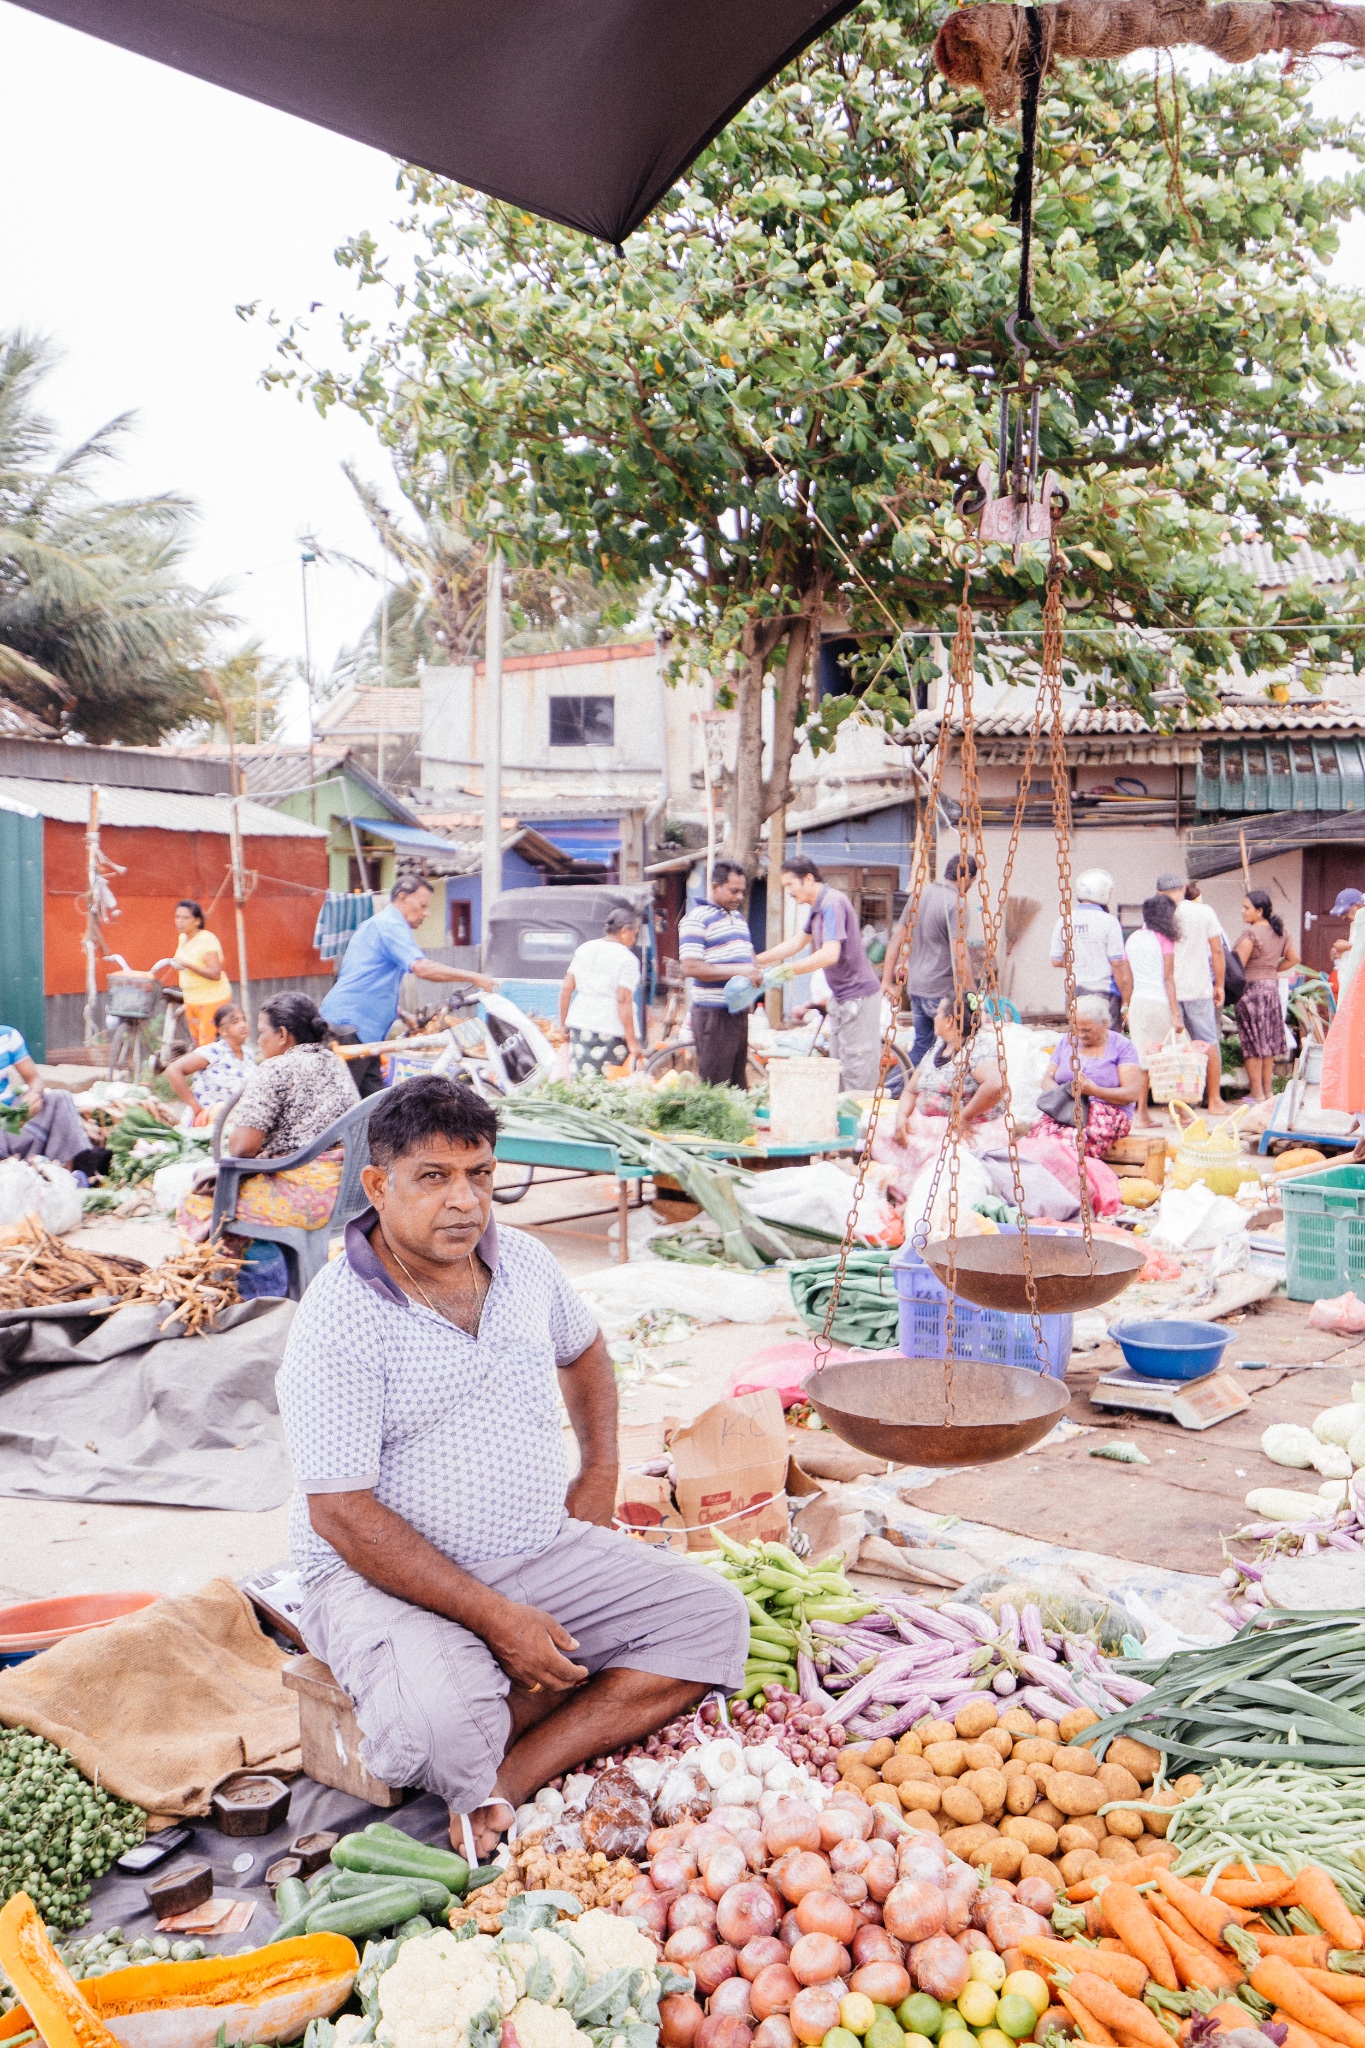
{"x": 487, "y": 1825}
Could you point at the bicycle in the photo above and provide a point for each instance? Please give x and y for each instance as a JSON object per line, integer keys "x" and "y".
{"x": 136, "y": 1045}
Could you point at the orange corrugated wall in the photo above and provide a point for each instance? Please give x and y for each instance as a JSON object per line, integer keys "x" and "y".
{"x": 161, "y": 867}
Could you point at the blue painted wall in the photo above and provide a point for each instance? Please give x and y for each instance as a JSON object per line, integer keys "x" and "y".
{"x": 516, "y": 874}
{"x": 881, "y": 839}
{"x": 21, "y": 929}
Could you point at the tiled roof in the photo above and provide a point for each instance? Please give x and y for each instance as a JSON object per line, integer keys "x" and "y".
{"x": 369, "y": 711}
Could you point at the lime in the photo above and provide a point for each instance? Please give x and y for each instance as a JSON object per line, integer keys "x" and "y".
{"x": 977, "y": 2005}
{"x": 840, "y": 2037}
{"x": 920, "y": 2014}
{"x": 1028, "y": 1984}
{"x": 987, "y": 1968}
{"x": 1015, "y": 2016}
{"x": 884, "y": 2033}
{"x": 915, "y": 2040}
{"x": 956, "y": 2034}
{"x": 884, "y": 2012}
{"x": 992, "y": 2037}
{"x": 856, "y": 2012}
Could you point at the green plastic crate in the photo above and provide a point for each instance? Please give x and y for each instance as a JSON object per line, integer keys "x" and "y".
{"x": 1324, "y": 1232}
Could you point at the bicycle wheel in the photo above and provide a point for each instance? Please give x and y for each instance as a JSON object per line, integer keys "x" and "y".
{"x": 128, "y": 1050}
{"x": 678, "y": 1058}
{"x": 172, "y": 1040}
{"x": 899, "y": 1068}
{"x": 517, "y": 1183}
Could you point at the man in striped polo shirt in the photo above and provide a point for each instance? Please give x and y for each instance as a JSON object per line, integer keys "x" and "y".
{"x": 713, "y": 945}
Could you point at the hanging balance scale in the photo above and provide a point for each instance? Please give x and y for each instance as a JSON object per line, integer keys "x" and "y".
{"x": 931, "y": 1412}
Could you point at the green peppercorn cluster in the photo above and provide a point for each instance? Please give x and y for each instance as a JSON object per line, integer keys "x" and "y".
{"x": 58, "y": 1833}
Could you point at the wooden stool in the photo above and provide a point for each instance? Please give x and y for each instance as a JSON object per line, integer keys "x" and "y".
{"x": 1139, "y": 1156}
{"x": 329, "y": 1734}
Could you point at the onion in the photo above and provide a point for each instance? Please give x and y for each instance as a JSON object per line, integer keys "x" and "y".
{"x": 874, "y": 1944}
{"x": 813, "y": 2012}
{"x": 723, "y": 2030}
{"x": 788, "y": 1933}
{"x": 689, "y": 1942}
{"x": 990, "y": 1895}
{"x": 818, "y": 1958}
{"x": 732, "y": 1997}
{"x": 887, "y": 1825}
{"x": 850, "y": 1886}
{"x": 734, "y": 1819}
{"x": 879, "y": 1875}
{"x": 852, "y": 1802}
{"x": 923, "y": 1855}
{"x": 775, "y": 2032}
{"x": 884, "y": 1982}
{"x": 761, "y": 1954}
{"x": 840, "y": 1824}
{"x": 823, "y": 1912}
{"x": 870, "y": 1913}
{"x": 773, "y": 1990}
{"x": 1037, "y": 1893}
{"x": 722, "y": 1868}
{"x": 971, "y": 1941}
{"x": 960, "y": 1887}
{"x": 940, "y": 1968}
{"x": 851, "y": 1855}
{"x": 692, "y": 1910}
{"x": 744, "y": 1912}
{"x": 804, "y": 1872}
{"x": 667, "y": 1838}
{"x": 791, "y": 1825}
{"x": 652, "y": 1908}
{"x": 914, "y": 1910}
{"x": 754, "y": 1847}
{"x": 679, "y": 2019}
{"x": 714, "y": 1966}
{"x": 671, "y": 1870}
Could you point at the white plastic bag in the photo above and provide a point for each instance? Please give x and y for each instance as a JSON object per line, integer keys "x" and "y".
{"x": 973, "y": 1186}
{"x": 819, "y": 1196}
{"x": 1194, "y": 1219}
{"x": 41, "y": 1188}
{"x": 169, "y": 1183}
{"x": 620, "y": 1293}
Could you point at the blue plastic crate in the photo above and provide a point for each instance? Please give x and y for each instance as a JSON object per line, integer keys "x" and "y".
{"x": 985, "y": 1334}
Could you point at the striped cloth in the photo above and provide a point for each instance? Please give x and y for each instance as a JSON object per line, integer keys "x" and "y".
{"x": 715, "y": 938}
{"x": 339, "y": 919}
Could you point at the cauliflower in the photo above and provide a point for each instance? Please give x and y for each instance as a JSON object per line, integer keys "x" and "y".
{"x": 440, "y": 1992}
{"x": 545, "y": 2026}
{"x": 606, "y": 1942}
{"x": 545, "y": 1967}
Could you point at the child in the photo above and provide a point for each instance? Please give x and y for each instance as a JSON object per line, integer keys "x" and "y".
{"x": 1339, "y": 947}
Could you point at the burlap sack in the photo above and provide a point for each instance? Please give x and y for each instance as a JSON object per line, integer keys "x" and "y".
{"x": 165, "y": 1703}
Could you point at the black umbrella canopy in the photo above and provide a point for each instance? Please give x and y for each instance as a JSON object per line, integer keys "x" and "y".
{"x": 585, "y": 111}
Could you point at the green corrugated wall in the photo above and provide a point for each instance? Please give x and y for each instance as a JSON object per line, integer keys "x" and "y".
{"x": 21, "y": 928}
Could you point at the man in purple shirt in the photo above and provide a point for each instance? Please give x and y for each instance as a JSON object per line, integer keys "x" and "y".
{"x": 855, "y": 1010}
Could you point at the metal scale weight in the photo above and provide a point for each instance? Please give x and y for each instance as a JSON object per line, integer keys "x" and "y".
{"x": 934, "y": 1412}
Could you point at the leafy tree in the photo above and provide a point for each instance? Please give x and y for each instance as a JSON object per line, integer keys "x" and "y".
{"x": 97, "y": 625}
{"x": 254, "y": 687}
{"x": 771, "y": 402}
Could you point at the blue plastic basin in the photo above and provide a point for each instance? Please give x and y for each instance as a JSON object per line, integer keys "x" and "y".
{"x": 1170, "y": 1350}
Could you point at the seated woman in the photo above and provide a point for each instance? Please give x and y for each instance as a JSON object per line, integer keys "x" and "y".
{"x": 953, "y": 1060}
{"x": 217, "y": 1072}
{"x": 297, "y": 1092}
{"x": 1111, "y": 1080}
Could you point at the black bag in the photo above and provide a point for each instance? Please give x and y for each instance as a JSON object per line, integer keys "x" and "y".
{"x": 1060, "y": 1105}
{"x": 1234, "y": 977}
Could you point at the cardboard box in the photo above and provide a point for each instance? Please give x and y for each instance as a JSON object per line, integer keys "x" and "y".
{"x": 731, "y": 1466}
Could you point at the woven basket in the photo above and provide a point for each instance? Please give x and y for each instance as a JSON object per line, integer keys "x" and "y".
{"x": 1178, "y": 1069}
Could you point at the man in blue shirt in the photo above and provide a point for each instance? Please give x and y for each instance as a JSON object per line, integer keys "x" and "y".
{"x": 53, "y": 1129}
{"x": 362, "y": 1002}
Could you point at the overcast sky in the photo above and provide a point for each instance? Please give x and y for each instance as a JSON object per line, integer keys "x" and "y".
{"x": 140, "y": 207}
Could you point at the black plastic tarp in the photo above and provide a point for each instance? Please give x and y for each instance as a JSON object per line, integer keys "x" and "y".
{"x": 585, "y": 111}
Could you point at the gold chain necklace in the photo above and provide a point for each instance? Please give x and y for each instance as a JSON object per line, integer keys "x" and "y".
{"x": 479, "y": 1298}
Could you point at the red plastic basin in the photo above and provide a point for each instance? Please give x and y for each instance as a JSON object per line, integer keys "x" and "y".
{"x": 40, "y": 1623}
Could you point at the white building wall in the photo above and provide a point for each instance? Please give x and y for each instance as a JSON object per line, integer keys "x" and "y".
{"x": 454, "y": 732}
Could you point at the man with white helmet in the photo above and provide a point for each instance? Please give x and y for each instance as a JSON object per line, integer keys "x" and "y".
{"x": 1101, "y": 964}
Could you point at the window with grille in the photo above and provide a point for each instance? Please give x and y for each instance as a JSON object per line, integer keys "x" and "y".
{"x": 582, "y": 721}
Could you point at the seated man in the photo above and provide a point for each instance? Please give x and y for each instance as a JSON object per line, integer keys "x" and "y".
{"x": 53, "y": 1128}
{"x": 491, "y": 1629}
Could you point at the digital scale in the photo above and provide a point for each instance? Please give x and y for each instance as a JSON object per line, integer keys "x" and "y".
{"x": 1194, "y": 1404}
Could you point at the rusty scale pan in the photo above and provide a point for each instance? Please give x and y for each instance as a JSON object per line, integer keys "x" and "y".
{"x": 902, "y": 1408}
{"x": 1068, "y": 1274}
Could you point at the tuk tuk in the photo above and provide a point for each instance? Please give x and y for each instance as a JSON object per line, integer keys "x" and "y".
{"x": 533, "y": 934}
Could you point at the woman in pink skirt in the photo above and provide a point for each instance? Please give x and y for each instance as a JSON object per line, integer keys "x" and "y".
{"x": 1111, "y": 1080}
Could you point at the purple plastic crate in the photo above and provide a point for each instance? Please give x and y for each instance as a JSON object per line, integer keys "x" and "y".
{"x": 987, "y": 1335}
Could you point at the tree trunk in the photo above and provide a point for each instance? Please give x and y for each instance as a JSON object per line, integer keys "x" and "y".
{"x": 745, "y": 794}
{"x": 776, "y": 790}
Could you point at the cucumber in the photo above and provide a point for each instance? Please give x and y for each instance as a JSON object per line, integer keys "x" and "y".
{"x": 388, "y": 1857}
{"x": 419, "y": 1924}
{"x": 289, "y": 1930}
{"x": 356, "y": 1884}
{"x": 487, "y": 1875}
{"x": 321, "y": 1880}
{"x": 370, "y": 1914}
{"x": 291, "y": 1897}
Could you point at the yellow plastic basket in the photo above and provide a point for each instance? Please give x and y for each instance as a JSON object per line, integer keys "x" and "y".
{"x": 1215, "y": 1157}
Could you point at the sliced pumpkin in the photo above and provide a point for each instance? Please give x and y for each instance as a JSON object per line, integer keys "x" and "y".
{"x": 46, "y": 1988}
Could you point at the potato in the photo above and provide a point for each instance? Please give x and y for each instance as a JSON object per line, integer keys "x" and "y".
{"x": 1044, "y": 1810}
{"x": 919, "y": 1817}
{"x": 897, "y": 1769}
{"x": 1124, "y": 1823}
{"x": 1038, "y": 1839}
{"x": 1019, "y": 1721}
{"x": 909, "y": 1744}
{"x": 999, "y": 1739}
{"x": 857, "y": 1774}
{"x": 1078, "y": 1863}
{"x": 920, "y": 1795}
{"x": 989, "y": 1787}
{"x": 1152, "y": 1845}
{"x": 1089, "y": 1824}
{"x": 874, "y": 1794}
{"x": 1031, "y": 1750}
{"x": 1135, "y": 1757}
{"x": 969, "y": 1842}
{"x": 1020, "y": 1794}
{"x": 1113, "y": 1849}
{"x": 962, "y": 1805}
{"x": 1071, "y": 1724}
{"x": 1188, "y": 1785}
{"x": 975, "y": 1719}
{"x": 1157, "y": 1823}
{"x": 1070, "y": 1837}
{"x": 1119, "y": 1784}
{"x": 1044, "y": 1867}
{"x": 980, "y": 1756}
{"x": 947, "y": 1758}
{"x": 936, "y": 1731}
{"x": 1083, "y": 1762}
{"x": 1049, "y": 1731}
{"x": 879, "y": 1751}
{"x": 1003, "y": 1858}
{"x": 1075, "y": 1794}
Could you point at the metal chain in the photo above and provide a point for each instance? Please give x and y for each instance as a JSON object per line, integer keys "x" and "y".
{"x": 1061, "y": 820}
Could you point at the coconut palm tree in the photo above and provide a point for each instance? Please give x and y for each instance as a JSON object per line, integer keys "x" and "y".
{"x": 100, "y": 632}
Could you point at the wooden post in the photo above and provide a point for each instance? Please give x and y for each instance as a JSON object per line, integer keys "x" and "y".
{"x": 239, "y": 901}
{"x": 491, "y": 877}
{"x": 92, "y": 916}
{"x": 777, "y": 851}
{"x": 1246, "y": 866}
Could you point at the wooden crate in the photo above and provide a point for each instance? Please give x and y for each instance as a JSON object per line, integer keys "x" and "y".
{"x": 1139, "y": 1156}
{"x": 329, "y": 1734}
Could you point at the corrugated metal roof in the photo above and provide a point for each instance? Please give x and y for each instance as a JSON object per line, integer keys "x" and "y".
{"x": 1305, "y": 565}
{"x": 1307, "y": 772}
{"x": 1095, "y": 720}
{"x": 158, "y": 810}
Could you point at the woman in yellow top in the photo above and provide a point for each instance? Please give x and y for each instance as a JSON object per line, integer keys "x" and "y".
{"x": 203, "y": 984}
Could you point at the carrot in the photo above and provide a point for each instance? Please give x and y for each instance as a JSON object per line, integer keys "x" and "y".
{"x": 1282, "y": 1984}
{"x": 1239, "y": 1887}
{"x": 1174, "y": 1922}
{"x": 1207, "y": 1915}
{"x": 1127, "y": 1915}
{"x": 1339, "y": 1986}
{"x": 1140, "y": 1872}
{"x": 1112, "y": 1942}
{"x": 1305, "y": 1951}
{"x": 1122, "y": 1969}
{"x": 1202, "y": 1966}
{"x": 1091, "y": 2030}
{"x": 1114, "y": 2009}
{"x": 1314, "y": 1890}
{"x": 1298, "y": 2037}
